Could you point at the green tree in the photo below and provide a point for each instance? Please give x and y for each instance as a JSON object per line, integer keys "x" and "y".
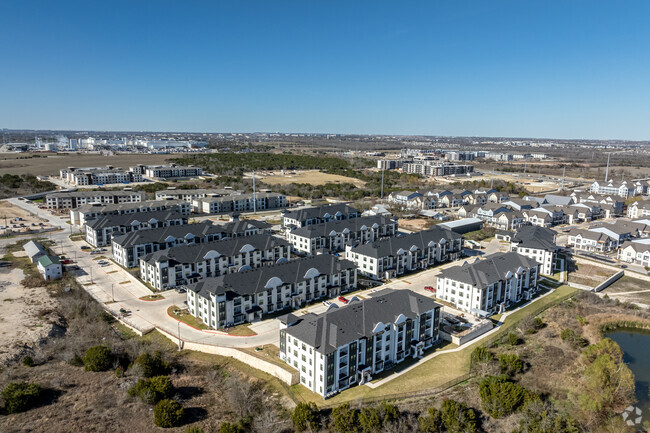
{"x": 227, "y": 427}
{"x": 168, "y": 413}
{"x": 500, "y": 397}
{"x": 98, "y": 358}
{"x": 510, "y": 364}
{"x": 193, "y": 429}
{"x": 542, "y": 417}
{"x": 304, "y": 416}
{"x": 369, "y": 420}
{"x": 482, "y": 354}
{"x": 390, "y": 412}
{"x": 21, "y": 396}
{"x": 457, "y": 417}
{"x": 153, "y": 390}
{"x": 152, "y": 365}
{"x": 431, "y": 423}
{"x": 344, "y": 419}
{"x": 513, "y": 339}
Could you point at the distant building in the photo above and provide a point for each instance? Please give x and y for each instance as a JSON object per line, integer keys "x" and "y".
{"x": 50, "y": 267}
{"x": 71, "y": 200}
{"x": 98, "y": 176}
{"x": 539, "y": 244}
{"x": 622, "y": 189}
{"x": 318, "y": 215}
{"x": 172, "y": 171}
{"x": 100, "y": 232}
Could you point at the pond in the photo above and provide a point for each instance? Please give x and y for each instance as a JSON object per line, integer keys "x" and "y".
{"x": 635, "y": 344}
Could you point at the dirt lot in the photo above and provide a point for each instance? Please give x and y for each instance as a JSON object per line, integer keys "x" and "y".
{"x": 416, "y": 224}
{"x": 9, "y": 162}
{"x": 629, "y": 289}
{"x": 313, "y": 177}
{"x": 589, "y": 275}
{"x": 24, "y": 315}
{"x": 29, "y": 222}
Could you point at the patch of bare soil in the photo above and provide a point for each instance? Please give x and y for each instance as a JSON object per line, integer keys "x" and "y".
{"x": 27, "y": 315}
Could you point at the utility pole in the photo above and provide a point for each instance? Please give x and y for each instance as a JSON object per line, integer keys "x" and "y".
{"x": 563, "y": 173}
{"x": 179, "y": 335}
{"x": 383, "y": 167}
{"x": 112, "y": 291}
{"x": 254, "y": 200}
{"x": 607, "y": 169}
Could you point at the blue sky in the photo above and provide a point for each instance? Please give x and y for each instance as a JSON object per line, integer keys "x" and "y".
{"x": 558, "y": 69}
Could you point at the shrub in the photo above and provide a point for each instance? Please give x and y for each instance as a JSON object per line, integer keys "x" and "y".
{"x": 152, "y": 365}
{"x": 76, "y": 361}
{"x": 344, "y": 419}
{"x": 28, "y": 361}
{"x": 582, "y": 320}
{"x": 227, "y": 427}
{"x": 305, "y": 415}
{"x": 431, "y": 423}
{"x": 153, "y": 390}
{"x": 369, "y": 420}
{"x": 512, "y": 339}
{"x": 119, "y": 372}
{"x": 98, "y": 358}
{"x": 194, "y": 429}
{"x": 168, "y": 413}
{"x": 572, "y": 338}
{"x": 21, "y": 396}
{"x": 389, "y": 411}
{"x": 500, "y": 397}
{"x": 542, "y": 417}
{"x": 482, "y": 354}
{"x": 510, "y": 364}
{"x": 457, "y": 417}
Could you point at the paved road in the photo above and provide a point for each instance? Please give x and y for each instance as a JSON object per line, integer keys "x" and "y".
{"x": 112, "y": 282}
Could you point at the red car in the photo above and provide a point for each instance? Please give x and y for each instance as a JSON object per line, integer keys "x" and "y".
{"x": 342, "y": 299}
{"x": 66, "y": 261}
{"x": 429, "y": 289}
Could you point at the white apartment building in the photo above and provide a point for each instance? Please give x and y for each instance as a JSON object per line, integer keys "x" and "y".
{"x": 491, "y": 285}
{"x": 332, "y": 236}
{"x": 318, "y": 215}
{"x": 639, "y": 209}
{"x": 71, "y": 200}
{"x": 539, "y": 244}
{"x": 637, "y": 252}
{"x": 240, "y": 203}
{"x": 388, "y": 258}
{"x": 622, "y": 189}
{"x": 587, "y": 240}
{"x": 81, "y": 215}
{"x": 189, "y": 195}
{"x": 250, "y": 294}
{"x": 98, "y": 175}
{"x": 172, "y": 171}
{"x": 346, "y": 346}
{"x": 100, "y": 231}
{"x": 182, "y": 265}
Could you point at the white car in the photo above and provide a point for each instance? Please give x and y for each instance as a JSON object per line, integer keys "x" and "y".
{"x": 327, "y": 303}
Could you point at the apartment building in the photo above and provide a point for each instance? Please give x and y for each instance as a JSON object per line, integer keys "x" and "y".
{"x": 346, "y": 346}
{"x": 240, "y": 203}
{"x": 318, "y": 215}
{"x": 388, "y": 258}
{"x": 100, "y": 231}
{"x": 621, "y": 189}
{"x": 637, "y": 252}
{"x": 639, "y": 209}
{"x": 491, "y": 285}
{"x": 332, "y": 236}
{"x": 431, "y": 168}
{"x": 189, "y": 195}
{"x": 248, "y": 295}
{"x": 172, "y": 171}
{"x": 98, "y": 175}
{"x": 79, "y": 216}
{"x": 537, "y": 243}
{"x": 187, "y": 264}
{"x": 128, "y": 249}
{"x": 588, "y": 240}
{"x": 405, "y": 198}
{"x": 71, "y": 200}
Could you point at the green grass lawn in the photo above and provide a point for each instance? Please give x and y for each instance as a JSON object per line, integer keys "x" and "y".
{"x": 435, "y": 372}
{"x": 185, "y": 317}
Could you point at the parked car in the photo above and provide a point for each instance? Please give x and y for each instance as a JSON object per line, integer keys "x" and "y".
{"x": 342, "y": 299}
{"x": 327, "y": 303}
{"x": 66, "y": 261}
{"x": 429, "y": 289}
{"x": 85, "y": 247}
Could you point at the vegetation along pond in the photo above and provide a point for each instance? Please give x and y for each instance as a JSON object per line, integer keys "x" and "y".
{"x": 635, "y": 344}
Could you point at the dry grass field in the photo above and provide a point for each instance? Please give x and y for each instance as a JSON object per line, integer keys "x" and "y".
{"x": 10, "y": 162}
{"x": 313, "y": 177}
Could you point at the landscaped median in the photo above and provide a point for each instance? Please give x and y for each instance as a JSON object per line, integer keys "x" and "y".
{"x": 440, "y": 370}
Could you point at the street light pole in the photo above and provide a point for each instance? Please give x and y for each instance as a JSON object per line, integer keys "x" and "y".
{"x": 112, "y": 291}
{"x": 179, "y": 335}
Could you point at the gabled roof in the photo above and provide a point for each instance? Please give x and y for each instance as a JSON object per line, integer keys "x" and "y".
{"x": 128, "y": 219}
{"x": 226, "y": 247}
{"x": 48, "y": 260}
{"x": 354, "y": 225}
{"x": 34, "y": 249}
{"x": 421, "y": 240}
{"x": 143, "y": 205}
{"x": 250, "y": 282}
{"x": 320, "y": 211}
{"x": 535, "y": 237}
{"x": 339, "y": 326}
{"x": 493, "y": 268}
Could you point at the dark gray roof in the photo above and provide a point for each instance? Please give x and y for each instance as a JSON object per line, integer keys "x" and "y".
{"x": 482, "y": 273}
{"x": 320, "y": 211}
{"x": 94, "y": 193}
{"x": 102, "y": 208}
{"x": 127, "y": 219}
{"x": 390, "y": 246}
{"x": 140, "y": 237}
{"x": 226, "y": 247}
{"x": 338, "y": 326}
{"x": 250, "y": 282}
{"x": 535, "y": 237}
{"x": 236, "y": 197}
{"x": 353, "y": 224}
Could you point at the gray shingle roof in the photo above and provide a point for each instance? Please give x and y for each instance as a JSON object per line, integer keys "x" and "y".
{"x": 253, "y": 281}
{"x": 127, "y": 219}
{"x": 354, "y": 224}
{"x": 535, "y": 237}
{"x": 484, "y": 272}
{"x": 336, "y": 327}
{"x": 226, "y": 247}
{"x": 102, "y": 208}
{"x": 390, "y": 246}
{"x": 320, "y": 211}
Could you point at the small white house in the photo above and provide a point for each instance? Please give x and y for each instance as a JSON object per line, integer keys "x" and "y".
{"x": 50, "y": 267}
